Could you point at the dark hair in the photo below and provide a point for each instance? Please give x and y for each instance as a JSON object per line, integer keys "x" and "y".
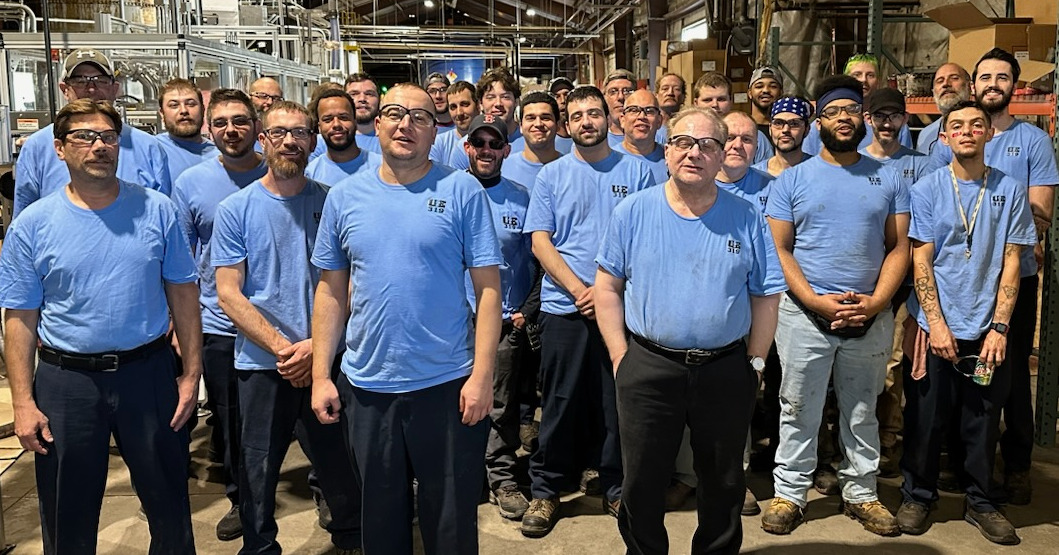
{"x": 221, "y": 96}
{"x": 178, "y": 85}
{"x": 712, "y": 79}
{"x": 293, "y": 107}
{"x": 833, "y": 82}
{"x": 498, "y": 75}
{"x": 963, "y": 105}
{"x": 360, "y": 76}
{"x": 324, "y": 87}
{"x": 1003, "y": 56}
{"x": 329, "y": 93}
{"x": 536, "y": 97}
{"x": 460, "y": 86}
{"x": 585, "y": 92}
{"x": 83, "y": 107}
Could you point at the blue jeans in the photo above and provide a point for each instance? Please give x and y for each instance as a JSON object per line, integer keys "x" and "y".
{"x": 809, "y": 357}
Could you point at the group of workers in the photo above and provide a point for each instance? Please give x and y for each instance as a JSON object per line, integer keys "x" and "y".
{"x": 401, "y": 281}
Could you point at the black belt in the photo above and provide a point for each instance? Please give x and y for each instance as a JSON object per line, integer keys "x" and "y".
{"x": 690, "y": 357}
{"x": 99, "y": 362}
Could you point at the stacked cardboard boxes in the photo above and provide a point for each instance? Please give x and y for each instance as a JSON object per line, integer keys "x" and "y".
{"x": 690, "y": 59}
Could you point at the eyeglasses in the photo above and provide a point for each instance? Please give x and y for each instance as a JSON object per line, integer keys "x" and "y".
{"x": 396, "y": 113}
{"x": 237, "y": 121}
{"x": 879, "y": 117}
{"x": 279, "y": 133}
{"x": 266, "y": 96}
{"x": 494, "y": 144}
{"x": 707, "y": 145}
{"x": 649, "y": 111}
{"x": 436, "y": 90}
{"x": 88, "y": 137}
{"x": 794, "y": 124}
{"x": 624, "y": 90}
{"x": 81, "y": 81}
{"x": 832, "y": 112}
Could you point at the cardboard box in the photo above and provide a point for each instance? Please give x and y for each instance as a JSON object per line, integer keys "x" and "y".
{"x": 678, "y": 46}
{"x": 740, "y": 68}
{"x": 694, "y": 63}
{"x": 1044, "y": 12}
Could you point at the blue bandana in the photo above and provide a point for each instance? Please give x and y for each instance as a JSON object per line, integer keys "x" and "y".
{"x": 836, "y": 94}
{"x": 793, "y": 105}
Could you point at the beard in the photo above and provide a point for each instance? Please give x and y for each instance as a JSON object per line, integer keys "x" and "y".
{"x": 364, "y": 120}
{"x": 285, "y": 168}
{"x": 793, "y": 147}
{"x": 996, "y": 106}
{"x": 834, "y": 144}
{"x": 183, "y": 129}
{"x": 339, "y": 147}
{"x": 764, "y": 108}
{"x": 601, "y": 135}
{"x": 945, "y": 103}
{"x": 234, "y": 152}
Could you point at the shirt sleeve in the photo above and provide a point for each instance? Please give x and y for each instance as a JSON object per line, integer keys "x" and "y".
{"x": 899, "y": 204}
{"x": 163, "y": 183}
{"x": 539, "y": 215}
{"x": 187, "y": 218}
{"x": 921, "y": 227}
{"x": 178, "y": 266}
{"x": 766, "y": 276}
{"x": 1021, "y": 230}
{"x": 612, "y": 249}
{"x": 228, "y": 246}
{"x": 779, "y": 206}
{"x": 1042, "y": 162}
{"x": 328, "y": 253}
{"x": 480, "y": 244}
{"x": 21, "y": 287}
{"x": 27, "y": 177}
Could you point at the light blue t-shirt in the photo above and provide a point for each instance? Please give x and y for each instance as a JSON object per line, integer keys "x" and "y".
{"x": 909, "y": 165}
{"x": 39, "y": 172}
{"x": 320, "y": 149}
{"x": 407, "y": 249}
{"x": 928, "y": 137}
{"x": 442, "y": 129}
{"x": 656, "y": 161}
{"x": 839, "y": 216}
{"x": 753, "y": 187}
{"x": 764, "y": 148}
{"x": 564, "y": 144}
{"x": 573, "y": 200}
{"x": 97, "y": 276}
{"x": 444, "y": 145}
{"x": 369, "y": 142}
{"x": 326, "y": 171}
{"x": 813, "y": 145}
{"x": 279, "y": 280}
{"x": 689, "y": 280}
{"x": 615, "y": 139}
{"x": 967, "y": 287}
{"x": 197, "y": 192}
{"x": 519, "y": 170}
{"x": 183, "y": 154}
{"x": 763, "y": 166}
{"x": 507, "y": 204}
{"x": 1024, "y": 153}
{"x": 662, "y": 135}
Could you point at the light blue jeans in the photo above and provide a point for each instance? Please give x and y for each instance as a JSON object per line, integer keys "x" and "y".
{"x": 809, "y": 357}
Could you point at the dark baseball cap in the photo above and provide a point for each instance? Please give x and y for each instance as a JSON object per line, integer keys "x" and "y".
{"x": 490, "y": 121}
{"x": 560, "y": 83}
{"x": 886, "y": 98}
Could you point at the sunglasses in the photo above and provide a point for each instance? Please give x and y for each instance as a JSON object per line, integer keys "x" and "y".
{"x": 494, "y": 144}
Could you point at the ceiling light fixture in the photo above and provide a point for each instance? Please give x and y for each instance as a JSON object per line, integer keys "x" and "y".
{"x": 530, "y": 12}
{"x": 428, "y": 3}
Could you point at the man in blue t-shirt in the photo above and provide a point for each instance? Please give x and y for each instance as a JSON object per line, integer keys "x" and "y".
{"x": 969, "y": 224}
{"x": 617, "y": 86}
{"x": 687, "y": 239}
{"x": 335, "y": 114}
{"x": 641, "y": 119}
{"x": 559, "y": 88}
{"x": 714, "y": 90}
{"x": 540, "y": 120}
{"x": 570, "y": 205}
{"x": 437, "y": 86}
{"x": 197, "y": 192}
{"x": 87, "y": 73}
{"x": 365, "y": 94}
{"x": 403, "y": 239}
{"x": 787, "y": 127}
{"x": 265, "y": 285}
{"x": 842, "y": 262}
{"x": 735, "y": 174}
{"x": 463, "y": 106}
{"x": 180, "y": 105}
{"x": 91, "y": 277}
{"x": 952, "y": 84}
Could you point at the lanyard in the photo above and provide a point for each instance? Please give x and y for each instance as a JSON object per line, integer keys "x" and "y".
{"x": 977, "y": 205}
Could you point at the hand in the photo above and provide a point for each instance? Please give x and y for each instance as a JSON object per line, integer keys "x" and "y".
{"x": 28, "y": 421}
{"x": 188, "y": 396}
{"x": 586, "y": 303}
{"x": 860, "y": 308}
{"x": 942, "y": 343}
{"x": 1038, "y": 253}
{"x": 518, "y": 320}
{"x": 175, "y": 343}
{"x": 829, "y": 305}
{"x": 325, "y": 402}
{"x": 295, "y": 363}
{"x": 615, "y": 361}
{"x": 476, "y": 400}
{"x": 993, "y": 348}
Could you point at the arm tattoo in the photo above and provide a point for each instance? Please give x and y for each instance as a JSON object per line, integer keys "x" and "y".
{"x": 1011, "y": 249}
{"x": 1009, "y": 291}
{"x": 927, "y": 294}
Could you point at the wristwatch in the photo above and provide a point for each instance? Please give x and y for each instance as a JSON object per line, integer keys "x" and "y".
{"x": 1002, "y": 329}
{"x": 757, "y": 363}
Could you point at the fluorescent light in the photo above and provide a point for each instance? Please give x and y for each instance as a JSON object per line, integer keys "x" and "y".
{"x": 530, "y": 12}
{"x": 428, "y": 3}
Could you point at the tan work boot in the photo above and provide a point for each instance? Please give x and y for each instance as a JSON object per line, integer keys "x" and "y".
{"x": 781, "y": 517}
{"x": 540, "y": 517}
{"x": 875, "y": 518}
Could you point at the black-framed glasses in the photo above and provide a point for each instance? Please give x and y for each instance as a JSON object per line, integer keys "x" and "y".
{"x": 81, "y": 81}
{"x": 832, "y": 112}
{"x": 880, "y": 117}
{"x": 88, "y": 137}
{"x": 436, "y": 90}
{"x": 396, "y": 113}
{"x": 649, "y": 111}
{"x": 237, "y": 121}
{"x": 280, "y": 133}
{"x": 780, "y": 123}
{"x": 707, "y": 145}
{"x": 266, "y": 96}
{"x": 494, "y": 144}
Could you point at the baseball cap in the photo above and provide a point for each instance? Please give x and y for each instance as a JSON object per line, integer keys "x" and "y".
{"x": 560, "y": 83}
{"x": 89, "y": 55}
{"x": 886, "y": 97}
{"x": 762, "y": 72}
{"x": 437, "y": 77}
{"x": 490, "y": 121}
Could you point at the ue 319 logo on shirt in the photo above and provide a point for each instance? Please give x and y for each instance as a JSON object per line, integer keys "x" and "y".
{"x": 511, "y": 222}
{"x": 620, "y": 191}
{"x": 1013, "y": 151}
{"x": 999, "y": 200}
{"x": 436, "y": 205}
{"x": 875, "y": 181}
{"x": 734, "y": 246}
{"x": 317, "y": 216}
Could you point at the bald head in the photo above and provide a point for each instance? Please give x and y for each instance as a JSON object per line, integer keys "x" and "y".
{"x": 952, "y": 84}
{"x": 264, "y": 93}
{"x": 641, "y": 118}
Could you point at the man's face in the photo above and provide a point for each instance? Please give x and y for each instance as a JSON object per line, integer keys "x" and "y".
{"x": 538, "y": 124}
{"x": 670, "y": 93}
{"x": 867, "y": 74}
{"x": 587, "y": 122}
{"x": 499, "y": 102}
{"x": 714, "y": 98}
{"x": 842, "y": 131}
{"x": 641, "y": 117}
{"x": 438, "y": 92}
{"x": 233, "y": 130}
{"x": 560, "y": 99}
{"x": 694, "y": 165}
{"x": 741, "y": 145}
{"x": 406, "y": 137}
{"x": 182, "y": 113}
{"x": 788, "y": 131}
{"x": 616, "y": 92}
{"x": 264, "y": 93}
{"x": 886, "y": 125}
{"x": 951, "y": 85}
{"x": 366, "y": 100}
{"x": 462, "y": 109}
{"x": 287, "y": 156}
{"x": 87, "y": 80}
{"x": 994, "y": 85}
{"x": 966, "y": 133}
{"x": 335, "y": 118}
{"x": 94, "y": 160}
{"x": 764, "y": 92}
{"x": 485, "y": 159}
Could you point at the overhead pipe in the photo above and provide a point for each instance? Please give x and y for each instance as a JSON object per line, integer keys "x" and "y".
{"x": 28, "y": 22}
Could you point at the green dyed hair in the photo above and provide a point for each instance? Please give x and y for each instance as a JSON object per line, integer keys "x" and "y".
{"x": 857, "y": 58}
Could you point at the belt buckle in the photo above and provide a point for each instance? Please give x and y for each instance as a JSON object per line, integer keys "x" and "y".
{"x": 696, "y": 357}
{"x": 112, "y": 359}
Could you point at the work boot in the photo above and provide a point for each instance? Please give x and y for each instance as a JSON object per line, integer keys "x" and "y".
{"x": 825, "y": 479}
{"x": 750, "y": 506}
{"x": 527, "y": 435}
{"x": 677, "y": 494}
{"x": 912, "y": 518}
{"x": 994, "y": 526}
{"x": 540, "y": 517}
{"x": 590, "y": 482}
{"x": 1019, "y": 487}
{"x": 509, "y": 501}
{"x": 781, "y": 517}
{"x": 875, "y": 518}
{"x": 230, "y": 527}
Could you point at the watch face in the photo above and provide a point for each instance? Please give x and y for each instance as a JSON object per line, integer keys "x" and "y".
{"x": 757, "y": 363}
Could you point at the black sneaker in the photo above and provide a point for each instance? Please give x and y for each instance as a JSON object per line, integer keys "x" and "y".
{"x": 912, "y": 518}
{"x": 509, "y": 501}
{"x": 590, "y": 482}
{"x": 230, "y": 527}
{"x": 994, "y": 526}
